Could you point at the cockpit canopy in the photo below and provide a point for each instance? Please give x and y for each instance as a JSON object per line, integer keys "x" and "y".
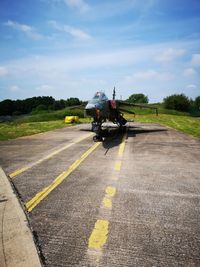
{"x": 100, "y": 96}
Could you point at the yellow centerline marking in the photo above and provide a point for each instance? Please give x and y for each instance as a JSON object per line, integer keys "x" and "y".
{"x": 110, "y": 191}
{"x": 42, "y": 194}
{"x": 118, "y": 166}
{"x": 99, "y": 235}
{"x": 122, "y": 145}
{"x": 19, "y": 171}
{"x": 107, "y": 202}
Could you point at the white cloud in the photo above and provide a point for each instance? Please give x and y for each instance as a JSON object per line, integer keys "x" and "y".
{"x": 26, "y": 29}
{"x": 75, "y": 32}
{"x": 191, "y": 86}
{"x": 150, "y": 75}
{"x": 41, "y": 65}
{"x": 170, "y": 54}
{"x": 81, "y": 5}
{"x": 45, "y": 88}
{"x": 145, "y": 75}
{"x": 61, "y": 74}
{"x": 195, "y": 60}
{"x": 189, "y": 72}
{"x": 3, "y": 71}
{"x": 104, "y": 60}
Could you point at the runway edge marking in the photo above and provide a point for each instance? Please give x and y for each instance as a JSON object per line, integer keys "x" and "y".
{"x": 19, "y": 171}
{"x": 31, "y": 204}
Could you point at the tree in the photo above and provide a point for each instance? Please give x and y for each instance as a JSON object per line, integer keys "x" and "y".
{"x": 197, "y": 102}
{"x": 6, "y": 107}
{"x": 72, "y": 101}
{"x": 9, "y": 107}
{"x": 57, "y": 105}
{"x": 177, "y": 102}
{"x": 41, "y": 107}
{"x": 138, "y": 98}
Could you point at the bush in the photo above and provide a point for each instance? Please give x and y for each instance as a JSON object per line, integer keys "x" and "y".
{"x": 6, "y": 107}
{"x": 177, "y": 102}
{"x": 197, "y": 102}
{"x": 16, "y": 113}
{"x": 72, "y": 101}
{"x": 51, "y": 116}
{"x": 35, "y": 104}
{"x": 138, "y": 98}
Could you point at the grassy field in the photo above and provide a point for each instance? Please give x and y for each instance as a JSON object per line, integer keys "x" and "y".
{"x": 46, "y": 121}
{"x": 161, "y": 110}
{"x": 11, "y": 130}
{"x": 50, "y": 115}
{"x": 185, "y": 124}
{"x": 14, "y": 130}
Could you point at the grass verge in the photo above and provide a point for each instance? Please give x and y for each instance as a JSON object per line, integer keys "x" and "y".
{"x": 13, "y": 130}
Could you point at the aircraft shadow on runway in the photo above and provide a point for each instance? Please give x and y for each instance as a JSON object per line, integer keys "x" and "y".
{"x": 114, "y": 136}
{"x": 134, "y": 131}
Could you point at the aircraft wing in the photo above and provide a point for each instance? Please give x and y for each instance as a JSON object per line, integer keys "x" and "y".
{"x": 121, "y": 104}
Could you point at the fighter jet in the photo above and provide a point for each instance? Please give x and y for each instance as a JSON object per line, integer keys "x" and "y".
{"x": 101, "y": 109}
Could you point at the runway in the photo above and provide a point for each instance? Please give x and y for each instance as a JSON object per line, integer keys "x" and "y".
{"x": 132, "y": 200}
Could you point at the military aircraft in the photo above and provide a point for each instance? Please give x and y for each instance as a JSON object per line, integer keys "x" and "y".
{"x": 101, "y": 109}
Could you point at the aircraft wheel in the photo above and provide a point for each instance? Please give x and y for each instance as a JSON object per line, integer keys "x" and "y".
{"x": 97, "y": 138}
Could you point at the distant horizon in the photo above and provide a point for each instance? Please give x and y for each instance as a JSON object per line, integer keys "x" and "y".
{"x": 57, "y": 99}
{"x": 65, "y": 47}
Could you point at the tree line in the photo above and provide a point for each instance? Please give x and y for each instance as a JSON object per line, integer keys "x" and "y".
{"x": 178, "y": 102}
{"x": 18, "y": 107}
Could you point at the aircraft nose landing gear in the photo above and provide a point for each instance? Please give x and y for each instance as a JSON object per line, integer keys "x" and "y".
{"x": 97, "y": 138}
{"x": 100, "y": 133}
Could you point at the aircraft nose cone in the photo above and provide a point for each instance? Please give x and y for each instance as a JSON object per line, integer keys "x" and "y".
{"x": 90, "y": 109}
{"x": 90, "y": 106}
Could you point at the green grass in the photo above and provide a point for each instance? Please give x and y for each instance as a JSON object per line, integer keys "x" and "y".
{"x": 11, "y": 130}
{"x": 50, "y": 115}
{"x": 161, "y": 110}
{"x": 14, "y": 130}
{"x": 185, "y": 124}
{"x": 46, "y": 121}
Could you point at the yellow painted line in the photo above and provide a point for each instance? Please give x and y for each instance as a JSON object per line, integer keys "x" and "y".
{"x": 15, "y": 173}
{"x": 41, "y": 195}
{"x": 118, "y": 166}
{"x": 99, "y": 235}
{"x": 107, "y": 202}
{"x": 111, "y": 191}
{"x": 19, "y": 171}
{"x": 122, "y": 145}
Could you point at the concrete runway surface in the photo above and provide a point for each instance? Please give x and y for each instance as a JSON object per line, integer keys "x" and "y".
{"x": 133, "y": 200}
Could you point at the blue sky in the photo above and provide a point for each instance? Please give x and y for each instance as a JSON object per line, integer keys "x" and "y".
{"x": 72, "y": 48}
